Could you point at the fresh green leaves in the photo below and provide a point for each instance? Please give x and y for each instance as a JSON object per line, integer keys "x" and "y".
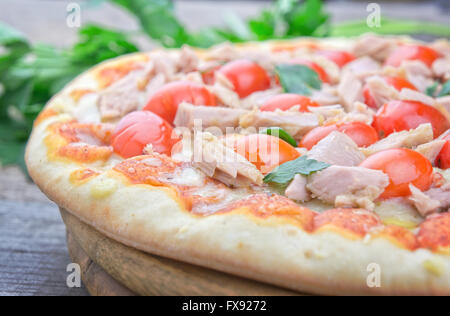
{"x": 31, "y": 75}
{"x": 298, "y": 79}
{"x": 445, "y": 89}
{"x": 280, "y": 133}
{"x": 287, "y": 171}
{"x": 436, "y": 90}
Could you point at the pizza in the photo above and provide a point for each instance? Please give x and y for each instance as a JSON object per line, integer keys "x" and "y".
{"x": 314, "y": 165}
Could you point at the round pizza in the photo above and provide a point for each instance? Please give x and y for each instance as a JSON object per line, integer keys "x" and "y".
{"x": 315, "y": 165}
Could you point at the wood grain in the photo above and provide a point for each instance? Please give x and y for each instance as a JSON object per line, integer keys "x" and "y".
{"x": 146, "y": 274}
{"x": 96, "y": 280}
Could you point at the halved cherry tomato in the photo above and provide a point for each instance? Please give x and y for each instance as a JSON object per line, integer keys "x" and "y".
{"x": 246, "y": 76}
{"x": 314, "y": 66}
{"x": 397, "y": 116}
{"x": 165, "y": 101}
{"x": 443, "y": 159}
{"x": 422, "y": 53}
{"x": 138, "y": 129}
{"x": 403, "y": 166}
{"x": 286, "y": 101}
{"x": 398, "y": 83}
{"x": 265, "y": 152}
{"x": 362, "y": 134}
{"x": 339, "y": 57}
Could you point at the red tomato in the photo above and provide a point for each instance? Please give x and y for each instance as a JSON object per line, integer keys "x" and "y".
{"x": 397, "y": 116}
{"x": 341, "y": 58}
{"x": 443, "y": 159}
{"x": 362, "y": 134}
{"x": 397, "y": 82}
{"x": 425, "y": 54}
{"x": 246, "y": 76}
{"x": 286, "y": 101}
{"x": 138, "y": 129}
{"x": 265, "y": 152}
{"x": 403, "y": 166}
{"x": 314, "y": 66}
{"x": 166, "y": 100}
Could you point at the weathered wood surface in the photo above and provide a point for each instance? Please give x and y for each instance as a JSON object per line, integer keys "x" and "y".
{"x": 33, "y": 253}
{"x": 146, "y": 274}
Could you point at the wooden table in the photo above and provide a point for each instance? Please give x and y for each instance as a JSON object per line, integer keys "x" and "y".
{"x": 33, "y": 253}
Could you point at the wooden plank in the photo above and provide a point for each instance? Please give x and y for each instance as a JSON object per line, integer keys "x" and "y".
{"x": 33, "y": 255}
{"x": 147, "y": 274}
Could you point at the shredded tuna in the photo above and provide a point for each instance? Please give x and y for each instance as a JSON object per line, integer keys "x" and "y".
{"x": 328, "y": 95}
{"x": 337, "y": 149}
{"x": 297, "y": 189}
{"x": 374, "y": 46}
{"x": 295, "y": 123}
{"x": 445, "y": 102}
{"x": 348, "y": 185}
{"x": 188, "y": 60}
{"x": 350, "y": 90}
{"x": 404, "y": 139}
{"x": 431, "y": 149}
{"x": 208, "y": 116}
{"x": 441, "y": 68}
{"x": 381, "y": 91}
{"x": 218, "y": 161}
{"x": 417, "y": 73}
{"x": 424, "y": 204}
{"x": 363, "y": 67}
{"x": 412, "y": 95}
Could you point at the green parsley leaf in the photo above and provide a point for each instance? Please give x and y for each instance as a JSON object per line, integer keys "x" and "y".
{"x": 445, "y": 89}
{"x": 280, "y": 133}
{"x": 431, "y": 90}
{"x": 287, "y": 171}
{"x": 298, "y": 79}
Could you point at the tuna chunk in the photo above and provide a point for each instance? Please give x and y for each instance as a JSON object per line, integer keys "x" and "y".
{"x": 297, "y": 189}
{"x": 337, "y": 149}
{"x": 445, "y": 102}
{"x": 348, "y": 186}
{"x": 404, "y": 139}
{"x": 441, "y": 68}
{"x": 412, "y": 95}
{"x": 431, "y": 201}
{"x": 431, "y": 149}
{"x": 126, "y": 95}
{"x": 374, "y": 46}
{"x": 218, "y": 161}
{"x": 208, "y": 116}
{"x": 350, "y": 90}
{"x": 363, "y": 67}
{"x": 295, "y": 123}
{"x": 425, "y": 205}
{"x": 381, "y": 91}
{"x": 417, "y": 73}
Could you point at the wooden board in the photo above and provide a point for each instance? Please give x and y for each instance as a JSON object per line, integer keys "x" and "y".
{"x": 146, "y": 274}
{"x": 95, "y": 279}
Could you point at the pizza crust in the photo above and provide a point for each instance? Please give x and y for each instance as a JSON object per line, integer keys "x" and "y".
{"x": 271, "y": 249}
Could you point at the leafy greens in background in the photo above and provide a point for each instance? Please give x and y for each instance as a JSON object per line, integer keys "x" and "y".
{"x": 31, "y": 74}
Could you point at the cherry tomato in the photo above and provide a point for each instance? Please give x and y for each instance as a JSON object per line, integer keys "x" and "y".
{"x": 314, "y": 66}
{"x": 138, "y": 129}
{"x": 339, "y": 57}
{"x": 443, "y": 159}
{"x": 246, "y": 76}
{"x": 424, "y": 54}
{"x": 265, "y": 152}
{"x": 166, "y": 100}
{"x": 286, "y": 101}
{"x": 362, "y": 134}
{"x": 403, "y": 166}
{"x": 397, "y": 116}
{"x": 397, "y": 82}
